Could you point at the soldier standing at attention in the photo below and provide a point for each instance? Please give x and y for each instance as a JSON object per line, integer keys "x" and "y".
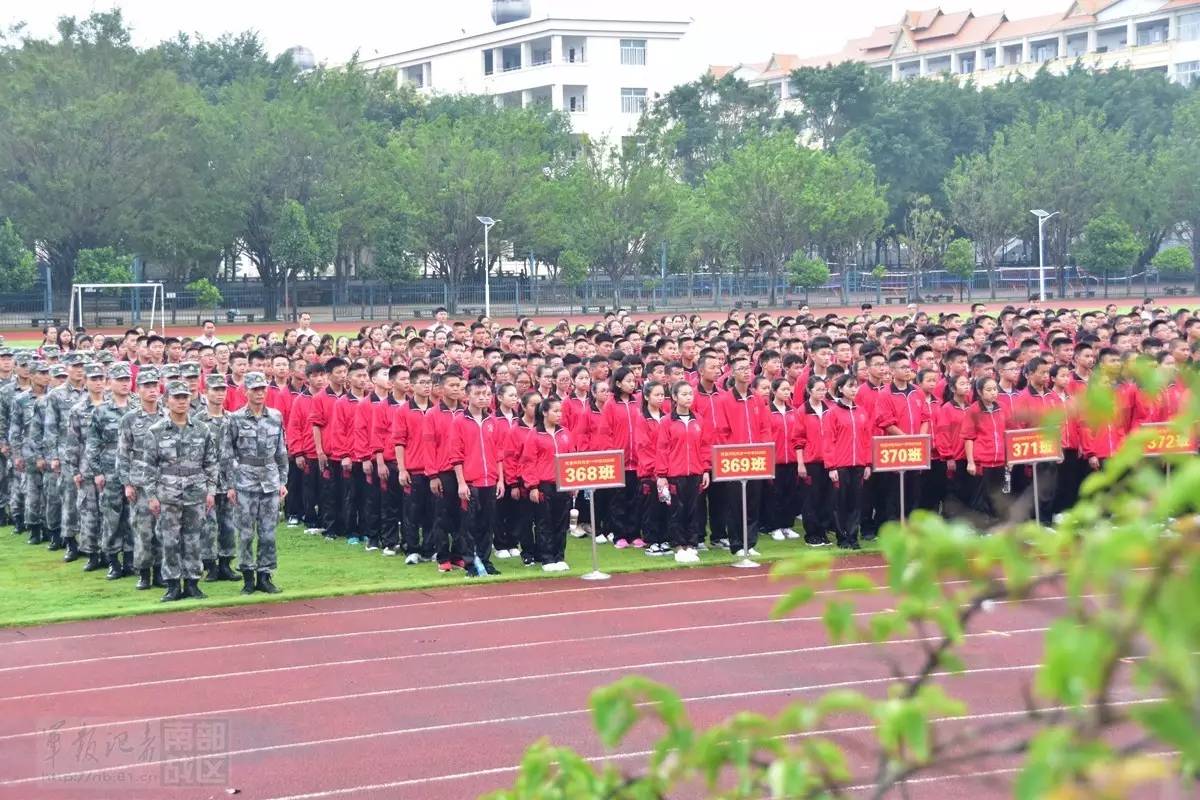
{"x": 181, "y": 481}
{"x": 100, "y": 468}
{"x": 62, "y": 515}
{"x": 13, "y": 497}
{"x": 190, "y": 371}
{"x": 8, "y": 379}
{"x": 132, "y": 446}
{"x": 79, "y": 422}
{"x": 220, "y": 537}
{"x": 24, "y": 435}
{"x": 254, "y": 465}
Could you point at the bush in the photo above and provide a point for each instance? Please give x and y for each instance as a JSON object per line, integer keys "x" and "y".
{"x": 808, "y": 273}
{"x": 1174, "y": 261}
{"x": 959, "y": 259}
{"x": 103, "y": 265}
{"x": 207, "y": 295}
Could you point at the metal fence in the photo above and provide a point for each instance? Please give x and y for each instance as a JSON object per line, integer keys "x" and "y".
{"x": 328, "y": 301}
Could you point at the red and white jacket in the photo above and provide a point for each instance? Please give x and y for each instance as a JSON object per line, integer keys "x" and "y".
{"x": 985, "y": 427}
{"x": 683, "y": 447}
{"x": 849, "y": 441}
{"x": 537, "y": 455}
{"x": 478, "y": 445}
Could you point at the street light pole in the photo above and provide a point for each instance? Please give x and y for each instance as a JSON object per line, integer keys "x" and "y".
{"x": 487, "y": 223}
{"x": 1042, "y": 216}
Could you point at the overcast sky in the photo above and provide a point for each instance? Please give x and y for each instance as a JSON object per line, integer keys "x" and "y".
{"x": 721, "y": 33}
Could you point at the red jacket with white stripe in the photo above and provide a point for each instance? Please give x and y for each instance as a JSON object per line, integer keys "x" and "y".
{"x": 947, "y": 432}
{"x": 538, "y": 452}
{"x": 683, "y": 448}
{"x": 478, "y": 445}
{"x": 786, "y": 431}
{"x": 741, "y": 419}
{"x": 815, "y": 433}
{"x": 409, "y": 431}
{"x": 618, "y": 429}
{"x": 985, "y": 427}
{"x": 849, "y": 441}
{"x": 438, "y": 425}
{"x": 646, "y": 435}
{"x": 906, "y": 410}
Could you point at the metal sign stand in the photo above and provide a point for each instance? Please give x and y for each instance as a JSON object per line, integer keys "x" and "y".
{"x": 1037, "y": 510}
{"x": 745, "y": 562}
{"x": 595, "y": 574}
{"x": 903, "y": 516}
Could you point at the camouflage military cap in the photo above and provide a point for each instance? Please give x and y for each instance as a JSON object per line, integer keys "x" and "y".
{"x": 22, "y": 359}
{"x": 5, "y": 352}
{"x": 105, "y": 357}
{"x": 147, "y": 376}
{"x": 170, "y": 372}
{"x": 215, "y": 381}
{"x": 119, "y": 371}
{"x": 178, "y": 388}
{"x": 255, "y": 380}
{"x": 73, "y": 359}
{"x": 189, "y": 369}
{"x": 58, "y": 371}
{"x": 50, "y": 351}
{"x": 94, "y": 371}
{"x": 41, "y": 366}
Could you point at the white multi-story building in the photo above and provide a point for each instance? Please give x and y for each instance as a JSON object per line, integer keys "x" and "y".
{"x": 601, "y": 70}
{"x": 1160, "y": 35}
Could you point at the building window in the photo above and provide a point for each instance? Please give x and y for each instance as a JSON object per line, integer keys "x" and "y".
{"x": 489, "y": 62}
{"x": 989, "y": 59}
{"x": 633, "y": 101}
{"x": 966, "y": 64}
{"x": 633, "y": 52}
{"x": 1187, "y": 72}
{"x": 1189, "y": 27}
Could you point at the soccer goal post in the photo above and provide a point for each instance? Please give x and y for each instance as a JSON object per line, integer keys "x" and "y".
{"x": 117, "y": 305}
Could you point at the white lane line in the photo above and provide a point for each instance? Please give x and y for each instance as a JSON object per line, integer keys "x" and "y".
{"x": 643, "y": 753}
{"x": 431, "y": 627}
{"x": 393, "y": 606}
{"x": 456, "y": 653}
{"x": 379, "y": 734}
{"x": 514, "y": 679}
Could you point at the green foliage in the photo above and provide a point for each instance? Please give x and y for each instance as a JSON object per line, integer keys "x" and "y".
{"x": 807, "y": 273}
{"x": 926, "y": 235}
{"x": 959, "y": 258}
{"x": 17, "y": 267}
{"x": 103, "y": 265}
{"x": 572, "y": 268}
{"x": 1173, "y": 261}
{"x": 207, "y": 295}
{"x": 1108, "y": 245}
{"x": 1116, "y": 686}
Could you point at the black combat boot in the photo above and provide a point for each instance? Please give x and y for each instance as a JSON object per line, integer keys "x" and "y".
{"x": 19, "y": 523}
{"x": 143, "y": 579}
{"x": 95, "y": 561}
{"x": 247, "y": 581}
{"x": 210, "y": 570}
{"x": 56, "y": 540}
{"x": 173, "y": 592}
{"x": 156, "y": 578}
{"x": 225, "y": 569}
{"x": 115, "y": 572}
{"x": 191, "y": 588}
{"x": 265, "y": 585}
{"x": 129, "y": 569}
{"x": 72, "y": 550}
{"x": 35, "y": 534}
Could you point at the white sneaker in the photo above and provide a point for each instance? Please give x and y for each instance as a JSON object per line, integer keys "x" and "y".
{"x": 681, "y": 556}
{"x": 503, "y": 554}
{"x": 549, "y": 567}
{"x": 601, "y": 539}
{"x": 791, "y": 534}
{"x": 576, "y": 532}
{"x": 777, "y": 534}
{"x": 744, "y": 553}
{"x": 370, "y": 547}
{"x": 387, "y": 551}
{"x": 693, "y": 556}
{"x": 563, "y": 566}
{"x": 754, "y": 552}
{"x": 293, "y": 522}
{"x": 413, "y": 558}
{"x": 314, "y": 531}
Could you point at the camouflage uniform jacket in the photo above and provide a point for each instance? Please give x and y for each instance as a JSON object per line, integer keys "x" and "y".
{"x": 59, "y": 403}
{"x": 25, "y": 427}
{"x": 181, "y": 462}
{"x": 217, "y": 425}
{"x": 8, "y": 394}
{"x": 132, "y": 445}
{"x": 100, "y": 441}
{"x": 253, "y": 454}
{"x": 79, "y": 422}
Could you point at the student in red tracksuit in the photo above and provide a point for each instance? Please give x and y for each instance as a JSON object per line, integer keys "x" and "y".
{"x": 343, "y": 444}
{"x": 654, "y": 513}
{"x": 447, "y": 519}
{"x": 391, "y": 497}
{"x": 1097, "y": 444}
{"x": 367, "y": 452}
{"x": 949, "y": 456}
{"x": 415, "y": 451}
{"x": 847, "y": 456}
{"x": 1031, "y": 408}
{"x": 683, "y": 459}
{"x": 813, "y": 419}
{"x": 782, "y": 497}
{"x": 708, "y": 370}
{"x": 505, "y": 534}
{"x": 327, "y": 440}
{"x": 530, "y": 402}
{"x": 589, "y": 438}
{"x": 618, "y": 424}
{"x": 1163, "y": 407}
{"x": 742, "y": 418}
{"x": 1067, "y": 490}
{"x": 547, "y": 439}
{"x": 477, "y": 444}
{"x": 302, "y": 448}
{"x": 899, "y": 409}
{"x": 575, "y": 404}
{"x": 983, "y": 441}
{"x": 932, "y": 483}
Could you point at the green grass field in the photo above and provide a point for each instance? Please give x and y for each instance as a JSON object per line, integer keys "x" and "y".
{"x": 39, "y": 588}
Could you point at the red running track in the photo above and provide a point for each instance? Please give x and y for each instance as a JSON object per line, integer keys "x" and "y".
{"x": 436, "y": 694}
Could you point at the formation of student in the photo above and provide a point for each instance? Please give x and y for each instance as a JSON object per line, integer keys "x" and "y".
{"x": 170, "y": 460}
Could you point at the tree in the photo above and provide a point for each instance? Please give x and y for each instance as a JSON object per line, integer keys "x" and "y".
{"x": 926, "y": 236}
{"x": 103, "y": 265}
{"x": 959, "y": 261}
{"x": 206, "y": 294}
{"x": 807, "y": 273}
{"x": 17, "y": 265}
{"x": 1177, "y": 167}
{"x": 984, "y": 202}
{"x": 1173, "y": 261}
{"x": 1115, "y": 686}
{"x": 835, "y": 99}
{"x": 1107, "y": 246}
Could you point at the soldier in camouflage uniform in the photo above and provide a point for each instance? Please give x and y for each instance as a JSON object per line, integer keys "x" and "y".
{"x": 25, "y": 438}
{"x": 181, "y": 481}
{"x": 189, "y": 371}
{"x": 220, "y": 536}
{"x": 100, "y": 469}
{"x": 62, "y": 516}
{"x": 132, "y": 446}
{"x": 51, "y": 507}
{"x": 79, "y": 421}
{"x": 11, "y": 500}
{"x": 254, "y": 466}
{"x": 7, "y": 378}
